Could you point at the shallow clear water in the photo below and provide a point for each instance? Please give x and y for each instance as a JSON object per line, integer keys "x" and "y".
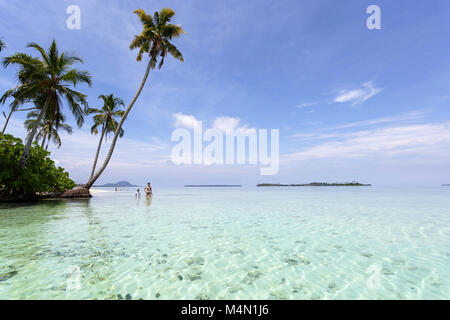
{"x": 230, "y": 243}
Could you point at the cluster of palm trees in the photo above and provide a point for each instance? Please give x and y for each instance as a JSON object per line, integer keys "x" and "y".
{"x": 48, "y": 128}
{"x": 48, "y": 82}
{"x": 105, "y": 119}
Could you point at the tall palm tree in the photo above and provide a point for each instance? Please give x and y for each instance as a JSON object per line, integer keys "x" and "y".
{"x": 154, "y": 40}
{"x": 50, "y": 77}
{"x": 48, "y": 128}
{"x": 105, "y": 118}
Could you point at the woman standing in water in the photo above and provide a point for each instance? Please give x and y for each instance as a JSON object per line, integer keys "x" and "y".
{"x": 148, "y": 190}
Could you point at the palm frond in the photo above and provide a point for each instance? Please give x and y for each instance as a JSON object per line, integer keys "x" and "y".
{"x": 155, "y": 37}
{"x": 74, "y": 100}
{"x": 165, "y": 14}
{"x": 74, "y": 76}
{"x": 92, "y": 110}
{"x": 146, "y": 20}
{"x": 41, "y": 50}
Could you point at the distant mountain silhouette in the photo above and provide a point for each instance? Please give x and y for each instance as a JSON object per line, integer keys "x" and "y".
{"x": 121, "y": 184}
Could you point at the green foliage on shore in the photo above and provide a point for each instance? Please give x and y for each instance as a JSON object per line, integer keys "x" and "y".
{"x": 40, "y": 174}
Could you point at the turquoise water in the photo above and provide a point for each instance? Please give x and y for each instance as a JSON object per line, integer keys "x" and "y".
{"x": 230, "y": 243}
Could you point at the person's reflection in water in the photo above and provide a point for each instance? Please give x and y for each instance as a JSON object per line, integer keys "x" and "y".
{"x": 148, "y": 202}
{"x": 137, "y": 196}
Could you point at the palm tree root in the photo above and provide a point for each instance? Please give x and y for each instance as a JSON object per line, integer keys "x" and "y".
{"x": 77, "y": 192}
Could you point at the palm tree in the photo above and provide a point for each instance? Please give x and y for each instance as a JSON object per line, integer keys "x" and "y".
{"x": 48, "y": 128}
{"x": 154, "y": 40}
{"x": 49, "y": 77}
{"x": 2, "y": 45}
{"x": 104, "y": 118}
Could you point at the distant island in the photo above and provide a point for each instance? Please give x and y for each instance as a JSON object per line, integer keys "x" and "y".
{"x": 446, "y": 185}
{"x": 210, "y": 185}
{"x": 316, "y": 184}
{"x": 122, "y": 184}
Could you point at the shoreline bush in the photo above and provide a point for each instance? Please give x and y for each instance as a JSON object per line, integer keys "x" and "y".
{"x": 40, "y": 175}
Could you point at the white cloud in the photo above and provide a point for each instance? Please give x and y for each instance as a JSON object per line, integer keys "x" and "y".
{"x": 220, "y": 123}
{"x": 185, "y": 121}
{"x": 423, "y": 140}
{"x": 355, "y": 96}
{"x": 226, "y": 123}
{"x": 358, "y": 96}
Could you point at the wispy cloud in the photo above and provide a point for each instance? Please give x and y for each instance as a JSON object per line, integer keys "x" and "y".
{"x": 354, "y": 96}
{"x": 306, "y": 105}
{"x": 323, "y": 132}
{"x": 357, "y": 96}
{"x": 420, "y": 140}
{"x": 410, "y": 116}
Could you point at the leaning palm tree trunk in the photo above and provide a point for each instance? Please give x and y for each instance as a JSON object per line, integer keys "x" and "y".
{"x": 98, "y": 152}
{"x": 7, "y": 120}
{"x": 26, "y": 150}
{"x": 43, "y": 140}
{"x": 13, "y": 109}
{"x": 91, "y": 181}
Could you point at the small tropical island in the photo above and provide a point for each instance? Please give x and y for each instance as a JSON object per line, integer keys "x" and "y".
{"x": 316, "y": 184}
{"x": 121, "y": 184}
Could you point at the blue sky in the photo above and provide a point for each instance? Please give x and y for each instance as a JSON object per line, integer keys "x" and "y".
{"x": 351, "y": 103}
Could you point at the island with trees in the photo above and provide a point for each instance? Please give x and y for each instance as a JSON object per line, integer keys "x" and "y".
{"x": 121, "y": 184}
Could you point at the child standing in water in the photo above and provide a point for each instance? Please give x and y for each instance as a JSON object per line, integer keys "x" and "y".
{"x": 138, "y": 193}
